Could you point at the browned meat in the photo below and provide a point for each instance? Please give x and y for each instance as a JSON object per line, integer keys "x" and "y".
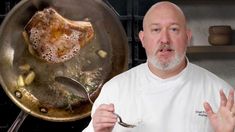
{"x": 56, "y": 39}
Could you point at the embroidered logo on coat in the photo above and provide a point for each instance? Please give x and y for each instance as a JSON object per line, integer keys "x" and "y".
{"x": 201, "y": 113}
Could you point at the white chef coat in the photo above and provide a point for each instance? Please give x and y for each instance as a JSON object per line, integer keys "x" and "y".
{"x": 174, "y": 104}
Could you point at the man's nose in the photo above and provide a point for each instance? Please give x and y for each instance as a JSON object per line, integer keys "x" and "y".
{"x": 164, "y": 39}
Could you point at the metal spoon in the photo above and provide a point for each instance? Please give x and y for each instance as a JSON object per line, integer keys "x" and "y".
{"x": 80, "y": 88}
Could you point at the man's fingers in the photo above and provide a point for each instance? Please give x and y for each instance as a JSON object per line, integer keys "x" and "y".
{"x": 107, "y": 114}
{"x": 105, "y": 119}
{"x": 233, "y": 108}
{"x": 223, "y": 99}
{"x": 208, "y": 109}
{"x": 104, "y": 112}
{"x": 230, "y": 101}
{"x": 107, "y": 107}
{"x": 104, "y": 125}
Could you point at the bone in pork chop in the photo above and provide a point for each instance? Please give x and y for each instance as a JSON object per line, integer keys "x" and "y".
{"x": 55, "y": 39}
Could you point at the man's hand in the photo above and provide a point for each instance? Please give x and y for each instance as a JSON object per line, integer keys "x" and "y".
{"x": 224, "y": 119}
{"x": 104, "y": 118}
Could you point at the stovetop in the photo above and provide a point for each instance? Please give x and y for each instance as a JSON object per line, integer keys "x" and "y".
{"x": 130, "y": 15}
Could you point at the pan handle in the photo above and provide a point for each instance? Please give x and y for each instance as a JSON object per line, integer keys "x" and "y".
{"x": 17, "y": 123}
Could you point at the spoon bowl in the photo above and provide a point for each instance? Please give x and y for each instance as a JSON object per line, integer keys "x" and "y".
{"x": 81, "y": 89}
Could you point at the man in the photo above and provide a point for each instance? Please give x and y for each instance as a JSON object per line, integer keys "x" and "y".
{"x": 167, "y": 93}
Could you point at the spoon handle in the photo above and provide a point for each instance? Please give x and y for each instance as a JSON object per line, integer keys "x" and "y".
{"x": 89, "y": 98}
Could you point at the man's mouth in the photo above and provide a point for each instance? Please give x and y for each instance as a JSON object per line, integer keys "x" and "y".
{"x": 165, "y": 50}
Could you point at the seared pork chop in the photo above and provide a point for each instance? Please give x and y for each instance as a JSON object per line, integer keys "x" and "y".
{"x": 55, "y": 39}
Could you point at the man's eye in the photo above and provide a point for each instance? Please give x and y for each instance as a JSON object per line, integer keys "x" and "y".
{"x": 174, "y": 29}
{"x": 155, "y": 30}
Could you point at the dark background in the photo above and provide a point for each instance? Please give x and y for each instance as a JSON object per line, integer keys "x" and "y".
{"x": 130, "y": 14}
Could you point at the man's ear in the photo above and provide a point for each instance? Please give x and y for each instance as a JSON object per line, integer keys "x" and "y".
{"x": 141, "y": 37}
{"x": 189, "y": 35}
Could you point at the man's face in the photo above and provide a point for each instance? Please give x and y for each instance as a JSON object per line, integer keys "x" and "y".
{"x": 165, "y": 38}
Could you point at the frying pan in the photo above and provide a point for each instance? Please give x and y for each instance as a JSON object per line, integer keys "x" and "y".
{"x": 44, "y": 98}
